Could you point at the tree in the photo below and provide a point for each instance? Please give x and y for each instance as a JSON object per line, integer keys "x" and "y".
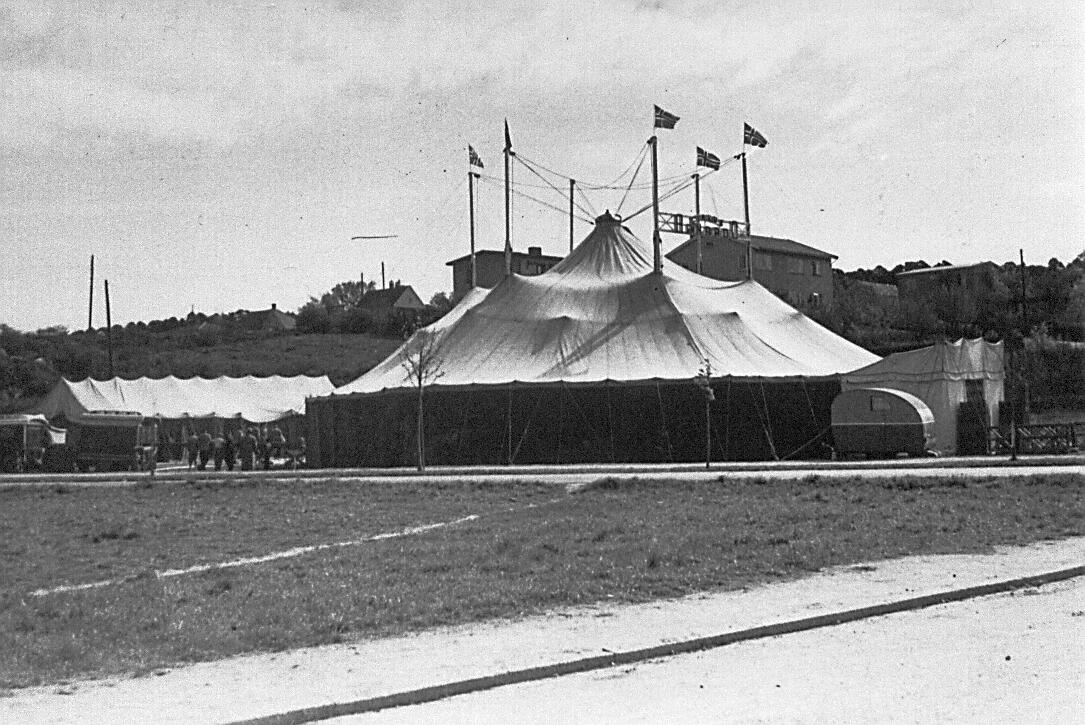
{"x": 422, "y": 361}
{"x": 345, "y": 295}
{"x": 313, "y": 317}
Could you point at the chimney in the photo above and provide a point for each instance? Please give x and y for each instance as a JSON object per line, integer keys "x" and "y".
{"x": 534, "y": 251}
{"x": 273, "y": 305}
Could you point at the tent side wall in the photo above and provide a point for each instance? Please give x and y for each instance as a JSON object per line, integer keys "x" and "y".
{"x": 554, "y": 424}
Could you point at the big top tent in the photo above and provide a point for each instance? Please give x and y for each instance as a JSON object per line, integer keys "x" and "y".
{"x": 600, "y": 324}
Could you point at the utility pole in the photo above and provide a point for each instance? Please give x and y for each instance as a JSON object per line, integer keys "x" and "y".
{"x": 697, "y": 219}
{"x": 384, "y": 283}
{"x": 471, "y": 209}
{"x": 90, "y": 303}
{"x": 572, "y": 188}
{"x": 657, "y": 266}
{"x": 108, "y": 329}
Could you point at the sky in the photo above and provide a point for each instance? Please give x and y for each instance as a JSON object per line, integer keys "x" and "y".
{"x": 217, "y": 156}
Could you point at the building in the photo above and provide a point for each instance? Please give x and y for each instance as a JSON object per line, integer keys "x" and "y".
{"x": 272, "y": 319}
{"x": 399, "y": 300}
{"x": 798, "y": 274}
{"x": 490, "y": 268}
{"x": 954, "y": 294}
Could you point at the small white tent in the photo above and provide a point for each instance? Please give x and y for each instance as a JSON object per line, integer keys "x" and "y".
{"x": 257, "y": 400}
{"x": 943, "y": 376}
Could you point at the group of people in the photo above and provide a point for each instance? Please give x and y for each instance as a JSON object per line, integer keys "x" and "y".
{"x": 249, "y": 448}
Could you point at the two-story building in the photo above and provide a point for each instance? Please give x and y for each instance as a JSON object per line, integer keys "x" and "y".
{"x": 797, "y": 273}
{"x": 490, "y": 268}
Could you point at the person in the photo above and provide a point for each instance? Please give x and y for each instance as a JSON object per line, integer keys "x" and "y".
{"x": 193, "y": 447}
{"x": 277, "y": 441}
{"x": 301, "y": 451}
{"x": 263, "y": 448}
{"x": 203, "y": 445}
{"x": 218, "y": 450}
{"x": 229, "y": 450}
{"x": 247, "y": 448}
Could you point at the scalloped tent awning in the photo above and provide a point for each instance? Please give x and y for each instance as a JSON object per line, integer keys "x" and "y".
{"x": 602, "y": 314}
{"x": 257, "y": 400}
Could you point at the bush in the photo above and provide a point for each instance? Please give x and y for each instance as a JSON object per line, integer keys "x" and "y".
{"x": 313, "y": 318}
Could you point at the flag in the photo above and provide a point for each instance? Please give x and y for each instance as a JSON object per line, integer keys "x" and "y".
{"x": 508, "y": 138}
{"x": 752, "y": 137}
{"x": 707, "y": 158}
{"x": 473, "y": 158}
{"x": 665, "y": 119}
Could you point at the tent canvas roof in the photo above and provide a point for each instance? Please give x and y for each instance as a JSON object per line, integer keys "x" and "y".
{"x": 960, "y": 360}
{"x": 603, "y": 314}
{"x": 258, "y": 400}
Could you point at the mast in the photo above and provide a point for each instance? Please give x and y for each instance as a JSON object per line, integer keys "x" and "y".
{"x": 108, "y": 329}
{"x": 572, "y": 188}
{"x": 697, "y": 218}
{"x": 508, "y": 211}
{"x": 656, "y": 242}
{"x": 746, "y": 208}
{"x": 471, "y": 211}
{"x": 90, "y": 303}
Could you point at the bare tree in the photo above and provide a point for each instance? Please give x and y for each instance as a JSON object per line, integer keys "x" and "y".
{"x": 704, "y": 382}
{"x": 422, "y": 361}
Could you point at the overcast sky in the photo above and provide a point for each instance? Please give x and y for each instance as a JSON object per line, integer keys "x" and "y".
{"x": 222, "y": 155}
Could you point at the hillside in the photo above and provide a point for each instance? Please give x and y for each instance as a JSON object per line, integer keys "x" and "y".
{"x": 31, "y": 363}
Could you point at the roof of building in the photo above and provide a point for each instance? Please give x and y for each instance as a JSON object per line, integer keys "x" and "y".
{"x": 399, "y": 298}
{"x": 946, "y": 268}
{"x": 501, "y": 253}
{"x": 771, "y": 244}
{"x": 270, "y": 319}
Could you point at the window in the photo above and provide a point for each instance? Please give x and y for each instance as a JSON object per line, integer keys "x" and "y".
{"x": 761, "y": 260}
{"x": 794, "y": 265}
{"x": 815, "y": 268}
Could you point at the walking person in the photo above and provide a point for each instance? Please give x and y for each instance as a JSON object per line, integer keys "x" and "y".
{"x": 229, "y": 450}
{"x": 193, "y": 445}
{"x": 247, "y": 448}
{"x": 203, "y": 446}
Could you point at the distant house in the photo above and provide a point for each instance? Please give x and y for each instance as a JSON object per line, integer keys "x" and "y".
{"x": 799, "y": 274}
{"x": 952, "y": 292}
{"x": 398, "y": 301}
{"x": 490, "y": 268}
{"x": 272, "y": 319}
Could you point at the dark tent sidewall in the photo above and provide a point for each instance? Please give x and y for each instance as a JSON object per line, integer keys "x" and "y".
{"x": 556, "y": 424}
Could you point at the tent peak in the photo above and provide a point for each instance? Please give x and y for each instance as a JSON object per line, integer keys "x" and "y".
{"x": 607, "y": 218}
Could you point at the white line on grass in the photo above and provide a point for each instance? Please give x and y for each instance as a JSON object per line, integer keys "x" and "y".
{"x": 287, "y": 554}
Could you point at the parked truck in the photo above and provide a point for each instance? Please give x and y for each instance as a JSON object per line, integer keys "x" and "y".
{"x": 114, "y": 440}
{"x": 26, "y": 442}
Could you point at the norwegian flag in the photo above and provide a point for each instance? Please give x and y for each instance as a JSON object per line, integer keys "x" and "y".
{"x": 664, "y": 119}
{"x": 473, "y": 158}
{"x": 752, "y": 137}
{"x": 707, "y": 159}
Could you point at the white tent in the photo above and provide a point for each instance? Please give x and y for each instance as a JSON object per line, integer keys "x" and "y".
{"x": 943, "y": 376}
{"x": 254, "y": 399}
{"x": 602, "y": 314}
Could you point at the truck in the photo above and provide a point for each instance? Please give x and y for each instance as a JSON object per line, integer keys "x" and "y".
{"x": 26, "y": 441}
{"x": 114, "y": 440}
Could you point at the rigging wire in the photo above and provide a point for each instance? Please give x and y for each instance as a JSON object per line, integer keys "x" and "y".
{"x": 552, "y": 186}
{"x": 631, "y": 180}
{"x": 563, "y": 212}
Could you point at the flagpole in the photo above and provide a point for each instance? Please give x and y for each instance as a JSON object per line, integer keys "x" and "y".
{"x": 572, "y": 187}
{"x": 697, "y": 219}
{"x": 746, "y": 208}
{"x": 471, "y": 211}
{"x": 508, "y": 211}
{"x": 656, "y": 244}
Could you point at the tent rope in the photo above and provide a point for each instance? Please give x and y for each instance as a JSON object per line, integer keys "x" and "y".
{"x": 804, "y": 445}
{"x": 768, "y": 422}
{"x": 663, "y": 425}
{"x": 527, "y": 427}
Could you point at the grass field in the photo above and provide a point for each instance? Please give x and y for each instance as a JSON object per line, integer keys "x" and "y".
{"x": 534, "y": 547}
